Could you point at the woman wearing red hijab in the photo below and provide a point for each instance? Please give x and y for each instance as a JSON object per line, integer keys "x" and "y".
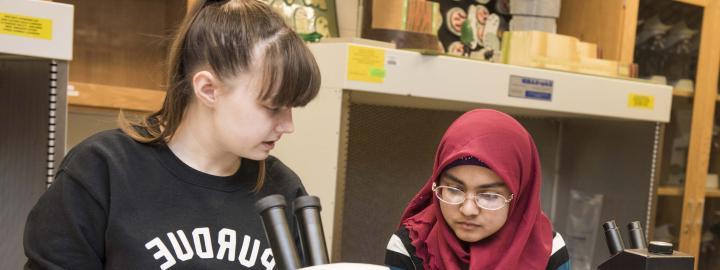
{"x": 480, "y": 209}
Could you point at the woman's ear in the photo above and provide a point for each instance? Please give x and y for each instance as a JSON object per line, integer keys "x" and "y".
{"x": 206, "y": 87}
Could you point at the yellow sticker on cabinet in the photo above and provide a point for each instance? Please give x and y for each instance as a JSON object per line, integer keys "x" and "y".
{"x": 25, "y": 26}
{"x": 641, "y": 101}
{"x": 366, "y": 64}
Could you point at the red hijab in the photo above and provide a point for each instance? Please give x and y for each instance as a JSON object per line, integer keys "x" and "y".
{"x": 525, "y": 241}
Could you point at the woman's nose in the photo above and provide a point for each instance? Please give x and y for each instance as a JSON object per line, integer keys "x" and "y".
{"x": 286, "y": 122}
{"x": 469, "y": 207}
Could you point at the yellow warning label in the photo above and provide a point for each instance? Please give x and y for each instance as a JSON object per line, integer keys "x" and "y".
{"x": 641, "y": 101}
{"x": 25, "y": 26}
{"x": 366, "y": 64}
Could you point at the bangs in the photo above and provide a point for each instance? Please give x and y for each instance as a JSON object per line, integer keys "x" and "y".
{"x": 290, "y": 75}
{"x": 233, "y": 44}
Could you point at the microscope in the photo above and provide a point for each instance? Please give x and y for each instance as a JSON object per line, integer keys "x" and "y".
{"x": 312, "y": 240}
{"x": 641, "y": 256}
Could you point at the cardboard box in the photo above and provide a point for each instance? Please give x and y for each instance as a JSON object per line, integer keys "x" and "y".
{"x": 418, "y": 16}
{"x": 560, "y": 52}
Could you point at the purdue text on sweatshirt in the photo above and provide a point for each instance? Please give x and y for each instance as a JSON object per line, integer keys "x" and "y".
{"x": 120, "y": 204}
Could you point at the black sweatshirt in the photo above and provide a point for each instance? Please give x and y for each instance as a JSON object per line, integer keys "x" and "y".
{"x": 120, "y": 204}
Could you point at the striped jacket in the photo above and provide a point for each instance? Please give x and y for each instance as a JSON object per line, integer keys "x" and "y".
{"x": 400, "y": 253}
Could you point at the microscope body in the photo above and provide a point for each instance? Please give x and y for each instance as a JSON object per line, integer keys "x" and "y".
{"x": 642, "y": 259}
{"x": 655, "y": 255}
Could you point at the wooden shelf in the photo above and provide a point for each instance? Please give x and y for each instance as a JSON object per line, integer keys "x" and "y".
{"x": 712, "y": 193}
{"x": 669, "y": 191}
{"x": 123, "y": 43}
{"x": 678, "y": 191}
{"x": 682, "y": 93}
{"x": 115, "y": 97}
{"x": 700, "y": 3}
{"x": 687, "y": 93}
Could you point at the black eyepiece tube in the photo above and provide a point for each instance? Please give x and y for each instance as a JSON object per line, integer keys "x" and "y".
{"x": 272, "y": 211}
{"x": 637, "y": 238}
{"x": 307, "y": 212}
{"x": 612, "y": 238}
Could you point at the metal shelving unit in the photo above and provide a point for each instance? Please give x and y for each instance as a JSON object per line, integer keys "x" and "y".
{"x": 35, "y": 45}
{"x": 365, "y": 145}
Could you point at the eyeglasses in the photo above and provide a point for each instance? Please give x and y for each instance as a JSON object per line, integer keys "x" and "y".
{"x": 486, "y": 200}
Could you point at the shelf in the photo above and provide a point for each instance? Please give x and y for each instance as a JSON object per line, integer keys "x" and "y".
{"x": 115, "y": 97}
{"x": 669, "y": 191}
{"x": 700, "y": 3}
{"x": 687, "y": 94}
{"x": 678, "y": 191}
{"x": 712, "y": 193}
{"x": 451, "y": 80}
{"x": 41, "y": 29}
{"x": 682, "y": 93}
{"x": 417, "y": 76}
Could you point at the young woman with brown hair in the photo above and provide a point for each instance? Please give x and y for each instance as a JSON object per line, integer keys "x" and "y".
{"x": 177, "y": 189}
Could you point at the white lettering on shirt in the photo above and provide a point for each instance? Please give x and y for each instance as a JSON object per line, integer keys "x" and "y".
{"x": 226, "y": 242}
{"x": 267, "y": 259}
{"x": 202, "y": 236}
{"x": 248, "y": 262}
{"x": 163, "y": 252}
{"x": 188, "y": 253}
{"x": 202, "y": 246}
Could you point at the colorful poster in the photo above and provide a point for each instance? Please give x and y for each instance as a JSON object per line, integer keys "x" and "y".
{"x": 473, "y": 27}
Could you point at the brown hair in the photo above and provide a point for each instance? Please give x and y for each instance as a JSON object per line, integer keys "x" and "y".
{"x": 229, "y": 36}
